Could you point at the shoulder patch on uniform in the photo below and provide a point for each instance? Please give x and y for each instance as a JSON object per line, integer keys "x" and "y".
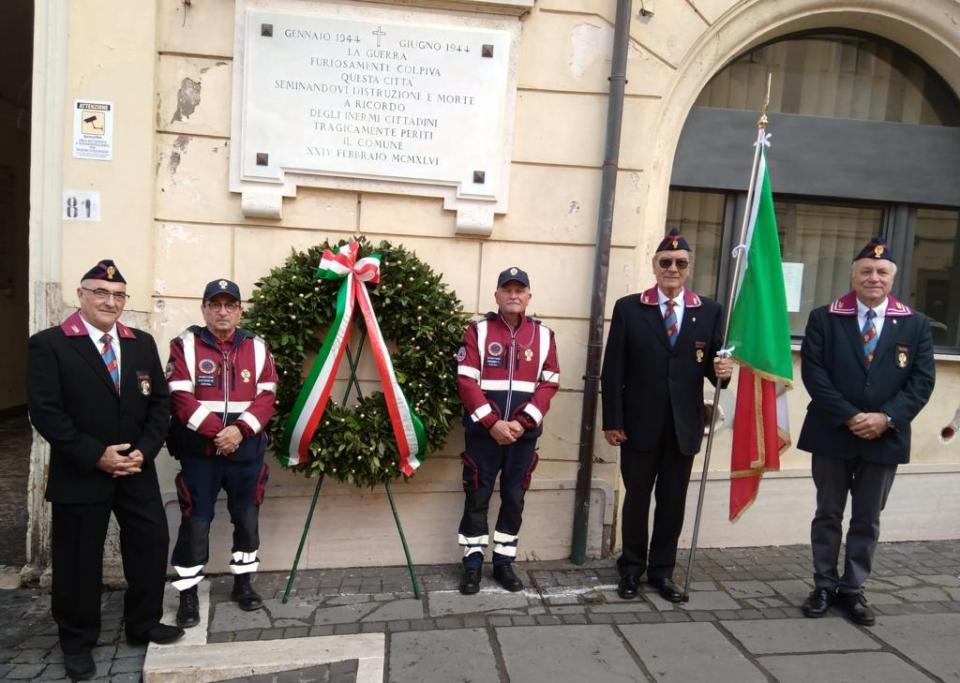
{"x": 462, "y": 354}
{"x": 168, "y": 372}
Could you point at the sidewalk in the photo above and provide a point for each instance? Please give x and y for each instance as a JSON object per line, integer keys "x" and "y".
{"x": 742, "y": 624}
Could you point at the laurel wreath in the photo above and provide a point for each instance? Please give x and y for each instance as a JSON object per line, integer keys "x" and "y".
{"x": 292, "y": 310}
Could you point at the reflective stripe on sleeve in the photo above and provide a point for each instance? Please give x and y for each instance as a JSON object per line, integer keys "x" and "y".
{"x": 533, "y": 412}
{"x": 547, "y": 376}
{"x": 181, "y": 385}
{"x": 266, "y": 386}
{"x": 199, "y": 415}
{"x": 481, "y": 412}
{"x": 190, "y": 354}
{"x": 252, "y": 422}
{"x": 467, "y": 371}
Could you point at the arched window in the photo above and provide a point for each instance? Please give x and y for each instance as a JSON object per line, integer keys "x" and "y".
{"x": 865, "y": 141}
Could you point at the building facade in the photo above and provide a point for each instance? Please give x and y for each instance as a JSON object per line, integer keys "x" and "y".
{"x": 878, "y": 69}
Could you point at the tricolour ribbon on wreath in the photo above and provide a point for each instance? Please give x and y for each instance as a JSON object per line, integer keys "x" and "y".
{"x": 343, "y": 264}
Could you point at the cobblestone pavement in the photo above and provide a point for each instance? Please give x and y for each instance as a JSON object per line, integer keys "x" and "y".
{"x": 15, "y": 437}
{"x": 743, "y": 623}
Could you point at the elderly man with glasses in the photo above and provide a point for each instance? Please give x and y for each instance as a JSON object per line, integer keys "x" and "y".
{"x": 96, "y": 393}
{"x": 662, "y": 344}
{"x": 223, "y": 384}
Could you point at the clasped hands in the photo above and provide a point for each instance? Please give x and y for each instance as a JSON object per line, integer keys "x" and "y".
{"x": 868, "y": 425}
{"x": 228, "y": 440}
{"x": 116, "y": 464}
{"x": 506, "y": 433}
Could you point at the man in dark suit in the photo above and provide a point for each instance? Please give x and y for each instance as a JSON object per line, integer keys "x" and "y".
{"x": 96, "y": 392}
{"x": 662, "y": 344}
{"x": 867, "y": 363}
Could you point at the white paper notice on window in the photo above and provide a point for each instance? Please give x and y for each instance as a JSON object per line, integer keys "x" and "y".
{"x": 793, "y": 283}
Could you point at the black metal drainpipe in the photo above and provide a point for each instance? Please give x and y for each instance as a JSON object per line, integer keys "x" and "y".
{"x": 601, "y": 269}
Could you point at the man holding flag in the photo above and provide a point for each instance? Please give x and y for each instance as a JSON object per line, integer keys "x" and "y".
{"x": 867, "y": 362}
{"x": 661, "y": 345}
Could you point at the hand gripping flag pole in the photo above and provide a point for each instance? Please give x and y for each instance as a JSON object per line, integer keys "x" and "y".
{"x": 314, "y": 396}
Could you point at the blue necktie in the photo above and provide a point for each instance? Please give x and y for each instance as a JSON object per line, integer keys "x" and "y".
{"x": 869, "y": 336}
{"x": 670, "y": 322}
{"x": 110, "y": 360}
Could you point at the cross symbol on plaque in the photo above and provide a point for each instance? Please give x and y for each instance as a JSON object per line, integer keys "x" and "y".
{"x": 379, "y": 33}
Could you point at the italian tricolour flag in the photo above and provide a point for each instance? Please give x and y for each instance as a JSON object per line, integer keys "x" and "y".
{"x": 759, "y": 336}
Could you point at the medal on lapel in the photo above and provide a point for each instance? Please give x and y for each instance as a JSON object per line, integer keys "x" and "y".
{"x": 143, "y": 379}
{"x": 528, "y": 355}
{"x": 902, "y": 356}
{"x": 700, "y": 346}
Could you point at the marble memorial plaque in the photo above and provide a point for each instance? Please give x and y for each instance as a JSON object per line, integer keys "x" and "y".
{"x": 384, "y": 100}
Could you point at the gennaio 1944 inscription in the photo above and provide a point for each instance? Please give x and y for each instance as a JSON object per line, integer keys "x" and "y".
{"x": 374, "y": 99}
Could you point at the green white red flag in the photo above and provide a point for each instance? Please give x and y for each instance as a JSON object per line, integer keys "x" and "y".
{"x": 759, "y": 337}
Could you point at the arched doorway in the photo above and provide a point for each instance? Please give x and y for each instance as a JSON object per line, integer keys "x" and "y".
{"x": 866, "y": 141}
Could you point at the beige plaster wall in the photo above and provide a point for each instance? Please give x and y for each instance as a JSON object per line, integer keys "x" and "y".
{"x": 171, "y": 223}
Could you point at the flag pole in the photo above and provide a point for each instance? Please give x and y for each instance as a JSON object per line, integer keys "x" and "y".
{"x": 737, "y": 268}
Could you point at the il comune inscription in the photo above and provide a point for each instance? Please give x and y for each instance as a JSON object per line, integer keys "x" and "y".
{"x": 376, "y": 98}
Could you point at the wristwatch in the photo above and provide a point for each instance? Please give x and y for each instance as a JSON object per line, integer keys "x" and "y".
{"x": 890, "y": 423}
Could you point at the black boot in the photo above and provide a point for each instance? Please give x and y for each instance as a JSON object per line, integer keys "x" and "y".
{"x": 188, "y": 614}
{"x": 244, "y": 595}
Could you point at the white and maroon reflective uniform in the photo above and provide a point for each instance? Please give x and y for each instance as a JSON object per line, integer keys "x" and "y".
{"x": 509, "y": 374}
{"x": 214, "y": 384}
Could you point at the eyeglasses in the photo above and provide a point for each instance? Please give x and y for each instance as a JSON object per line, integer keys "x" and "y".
{"x": 681, "y": 263}
{"x": 231, "y": 306}
{"x": 105, "y": 294}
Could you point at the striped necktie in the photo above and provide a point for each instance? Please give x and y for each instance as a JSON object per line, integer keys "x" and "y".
{"x": 869, "y": 336}
{"x": 670, "y": 322}
{"x": 110, "y": 360}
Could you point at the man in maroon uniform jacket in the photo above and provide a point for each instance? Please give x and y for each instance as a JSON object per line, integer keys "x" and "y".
{"x": 507, "y": 375}
{"x": 223, "y": 384}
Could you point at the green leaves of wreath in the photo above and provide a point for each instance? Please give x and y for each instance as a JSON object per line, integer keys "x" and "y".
{"x": 292, "y": 310}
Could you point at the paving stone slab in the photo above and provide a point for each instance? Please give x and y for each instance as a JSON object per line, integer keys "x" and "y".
{"x": 706, "y": 600}
{"x": 931, "y": 640}
{"x": 297, "y": 608}
{"x": 228, "y": 617}
{"x": 397, "y": 609}
{"x": 461, "y": 655}
{"x": 946, "y": 580}
{"x": 443, "y": 603}
{"x": 345, "y": 614}
{"x": 566, "y": 653}
{"x": 687, "y": 653}
{"x": 850, "y": 667}
{"x": 922, "y": 594}
{"x": 795, "y": 636}
{"x": 748, "y": 589}
{"x": 625, "y": 606}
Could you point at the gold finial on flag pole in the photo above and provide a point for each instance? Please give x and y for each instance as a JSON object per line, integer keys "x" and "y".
{"x": 762, "y": 123}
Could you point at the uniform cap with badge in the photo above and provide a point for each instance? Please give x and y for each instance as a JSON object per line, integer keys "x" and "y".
{"x": 876, "y": 249}
{"x": 105, "y": 269}
{"x": 513, "y": 274}
{"x": 674, "y": 241}
{"x": 221, "y": 286}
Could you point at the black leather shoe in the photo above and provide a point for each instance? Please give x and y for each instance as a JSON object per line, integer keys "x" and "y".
{"x": 667, "y": 589}
{"x": 817, "y": 603}
{"x": 188, "y": 614}
{"x": 506, "y": 578}
{"x": 243, "y": 594}
{"x": 470, "y": 580}
{"x": 855, "y": 605}
{"x": 629, "y": 586}
{"x": 79, "y": 667}
{"x": 161, "y": 634}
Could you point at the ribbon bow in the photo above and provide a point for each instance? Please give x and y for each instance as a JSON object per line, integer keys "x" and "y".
{"x": 343, "y": 264}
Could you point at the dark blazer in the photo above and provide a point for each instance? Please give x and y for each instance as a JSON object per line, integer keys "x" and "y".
{"x": 642, "y": 375}
{"x": 74, "y": 406}
{"x": 898, "y": 382}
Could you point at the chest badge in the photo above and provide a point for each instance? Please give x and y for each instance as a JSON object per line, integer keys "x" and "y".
{"x": 245, "y": 375}
{"x": 143, "y": 380}
{"x": 494, "y": 348}
{"x": 902, "y": 357}
{"x": 700, "y": 346}
{"x": 207, "y": 366}
{"x": 528, "y": 355}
